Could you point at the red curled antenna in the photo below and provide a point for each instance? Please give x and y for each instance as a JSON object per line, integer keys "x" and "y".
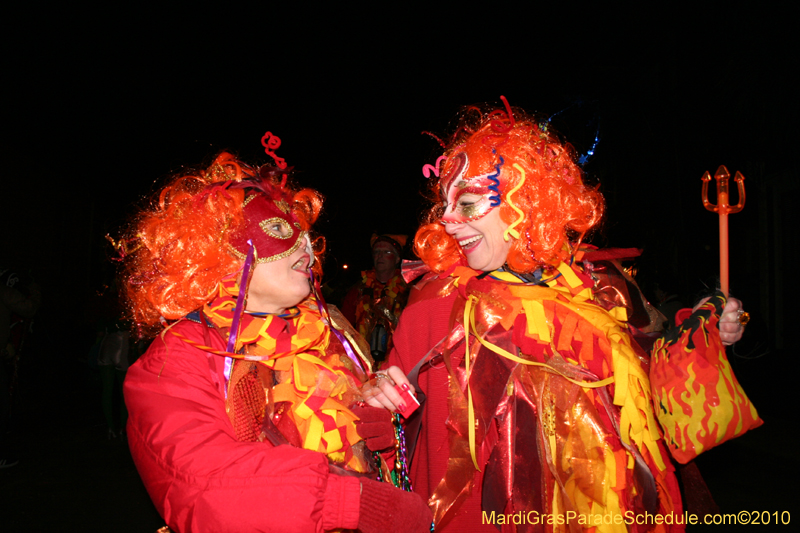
{"x": 271, "y": 143}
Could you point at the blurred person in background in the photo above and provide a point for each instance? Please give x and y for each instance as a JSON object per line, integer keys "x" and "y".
{"x": 18, "y": 304}
{"x": 374, "y": 304}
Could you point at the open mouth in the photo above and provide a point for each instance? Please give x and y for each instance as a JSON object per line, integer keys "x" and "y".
{"x": 302, "y": 264}
{"x": 470, "y": 242}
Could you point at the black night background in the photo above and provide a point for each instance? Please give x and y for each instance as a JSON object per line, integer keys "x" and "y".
{"x": 99, "y": 109}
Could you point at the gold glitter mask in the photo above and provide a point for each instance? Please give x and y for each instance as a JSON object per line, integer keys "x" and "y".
{"x": 466, "y": 198}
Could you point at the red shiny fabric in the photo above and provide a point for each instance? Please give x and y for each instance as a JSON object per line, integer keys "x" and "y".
{"x": 516, "y": 469}
{"x": 423, "y": 324}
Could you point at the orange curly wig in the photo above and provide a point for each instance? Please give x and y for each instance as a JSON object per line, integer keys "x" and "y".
{"x": 179, "y": 247}
{"x": 556, "y": 206}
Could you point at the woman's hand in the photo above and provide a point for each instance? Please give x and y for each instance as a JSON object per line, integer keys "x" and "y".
{"x": 375, "y": 426}
{"x": 731, "y": 325}
{"x": 732, "y": 321}
{"x": 380, "y": 390}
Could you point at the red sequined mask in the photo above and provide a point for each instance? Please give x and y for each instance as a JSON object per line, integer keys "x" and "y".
{"x": 270, "y": 226}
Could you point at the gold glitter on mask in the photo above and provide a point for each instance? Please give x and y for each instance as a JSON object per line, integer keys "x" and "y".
{"x": 470, "y": 211}
{"x": 300, "y": 241}
{"x": 277, "y": 228}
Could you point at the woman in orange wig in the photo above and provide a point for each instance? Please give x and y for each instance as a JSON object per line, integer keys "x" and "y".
{"x": 539, "y": 414}
{"x": 548, "y": 208}
{"x": 247, "y": 411}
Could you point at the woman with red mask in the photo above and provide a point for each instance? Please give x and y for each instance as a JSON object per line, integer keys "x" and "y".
{"x": 247, "y": 411}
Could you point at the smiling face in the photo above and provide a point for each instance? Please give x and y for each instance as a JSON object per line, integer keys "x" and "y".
{"x": 482, "y": 240}
{"x": 278, "y": 285}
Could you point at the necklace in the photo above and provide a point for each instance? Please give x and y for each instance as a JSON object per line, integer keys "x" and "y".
{"x": 288, "y": 313}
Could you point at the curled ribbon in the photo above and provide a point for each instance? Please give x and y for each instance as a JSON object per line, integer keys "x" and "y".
{"x": 521, "y": 216}
{"x": 271, "y": 143}
{"x": 428, "y": 169}
{"x": 495, "y": 198}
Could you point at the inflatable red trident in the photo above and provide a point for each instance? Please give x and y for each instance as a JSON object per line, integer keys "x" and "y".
{"x": 723, "y": 208}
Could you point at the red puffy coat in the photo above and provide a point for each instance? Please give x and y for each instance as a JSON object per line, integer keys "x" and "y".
{"x": 196, "y": 472}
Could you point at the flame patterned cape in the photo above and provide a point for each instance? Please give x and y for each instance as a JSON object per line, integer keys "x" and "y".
{"x": 565, "y": 424}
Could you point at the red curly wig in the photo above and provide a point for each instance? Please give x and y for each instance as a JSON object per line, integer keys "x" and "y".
{"x": 179, "y": 246}
{"x": 556, "y": 205}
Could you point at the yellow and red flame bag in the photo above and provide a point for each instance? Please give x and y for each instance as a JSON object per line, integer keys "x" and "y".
{"x": 698, "y": 401}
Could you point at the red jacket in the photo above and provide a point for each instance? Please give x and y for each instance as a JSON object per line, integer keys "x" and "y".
{"x": 423, "y": 324}
{"x": 196, "y": 472}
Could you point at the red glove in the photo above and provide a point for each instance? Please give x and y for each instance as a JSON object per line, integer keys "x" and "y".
{"x": 375, "y": 427}
{"x": 386, "y": 509}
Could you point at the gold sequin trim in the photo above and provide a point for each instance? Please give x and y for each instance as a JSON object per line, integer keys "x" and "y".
{"x": 265, "y": 227}
{"x": 287, "y": 253}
